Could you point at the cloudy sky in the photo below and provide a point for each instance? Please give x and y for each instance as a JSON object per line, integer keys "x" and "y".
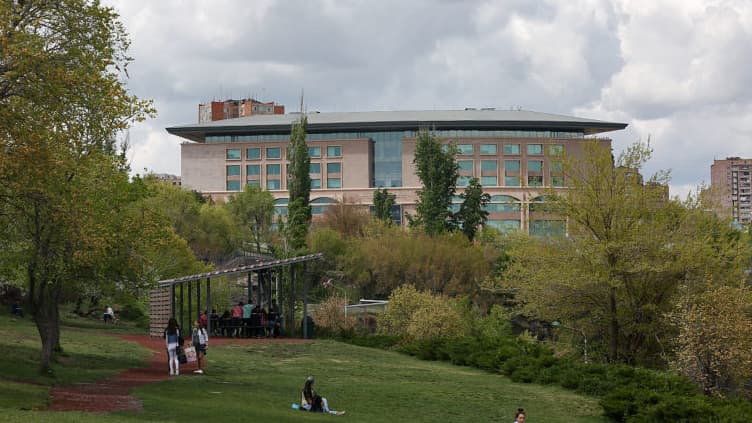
{"x": 677, "y": 71}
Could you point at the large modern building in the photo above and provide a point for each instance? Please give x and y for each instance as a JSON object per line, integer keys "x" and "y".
{"x": 511, "y": 152}
{"x": 731, "y": 183}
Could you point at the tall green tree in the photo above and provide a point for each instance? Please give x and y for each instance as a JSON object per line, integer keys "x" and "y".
{"x": 383, "y": 201}
{"x": 299, "y": 186}
{"x": 438, "y": 173}
{"x": 253, "y": 210}
{"x": 472, "y": 213}
{"x": 63, "y": 179}
{"x": 614, "y": 277}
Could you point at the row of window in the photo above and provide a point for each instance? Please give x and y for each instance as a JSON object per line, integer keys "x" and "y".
{"x": 509, "y": 149}
{"x": 451, "y": 134}
{"x": 274, "y": 184}
{"x": 276, "y": 152}
{"x": 509, "y": 166}
{"x": 276, "y": 169}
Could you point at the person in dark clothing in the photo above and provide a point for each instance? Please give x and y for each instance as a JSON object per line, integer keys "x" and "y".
{"x": 311, "y": 401}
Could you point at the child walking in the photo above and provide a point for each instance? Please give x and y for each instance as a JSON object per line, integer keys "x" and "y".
{"x": 172, "y": 339}
{"x": 200, "y": 340}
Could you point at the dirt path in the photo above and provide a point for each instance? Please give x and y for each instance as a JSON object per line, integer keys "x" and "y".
{"x": 114, "y": 394}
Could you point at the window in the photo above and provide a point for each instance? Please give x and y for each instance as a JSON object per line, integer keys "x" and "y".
{"x": 488, "y": 165}
{"x": 314, "y": 151}
{"x": 253, "y": 170}
{"x": 512, "y": 165}
{"x": 253, "y": 153}
{"x": 233, "y": 154}
{"x": 535, "y": 181}
{"x": 488, "y": 181}
{"x": 315, "y": 183}
{"x": 463, "y": 181}
{"x": 504, "y": 226}
{"x": 512, "y": 149}
{"x": 319, "y": 205}
{"x": 334, "y": 151}
{"x": 503, "y": 203}
{"x": 511, "y": 181}
{"x": 273, "y": 169}
{"x": 535, "y": 149}
{"x": 557, "y": 181}
{"x": 273, "y": 153}
{"x": 547, "y": 228}
{"x": 556, "y": 149}
{"x": 254, "y": 183}
{"x": 488, "y": 149}
{"x": 315, "y": 168}
{"x": 273, "y": 184}
{"x": 534, "y": 166}
{"x": 465, "y": 149}
{"x": 333, "y": 183}
{"x": 465, "y": 165}
{"x": 233, "y": 170}
{"x": 233, "y": 185}
{"x": 333, "y": 168}
{"x": 555, "y": 166}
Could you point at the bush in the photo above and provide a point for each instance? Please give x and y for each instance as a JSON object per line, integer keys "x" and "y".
{"x": 331, "y": 319}
{"x": 422, "y": 315}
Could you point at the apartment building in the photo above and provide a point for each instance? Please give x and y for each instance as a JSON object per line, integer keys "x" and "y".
{"x": 731, "y": 184}
{"x": 231, "y": 109}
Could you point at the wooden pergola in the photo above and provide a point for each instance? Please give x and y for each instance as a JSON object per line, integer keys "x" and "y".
{"x": 169, "y": 297}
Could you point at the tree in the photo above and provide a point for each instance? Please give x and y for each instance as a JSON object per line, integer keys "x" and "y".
{"x": 299, "y": 186}
{"x": 383, "y": 201}
{"x": 438, "y": 173}
{"x": 253, "y": 210}
{"x": 63, "y": 181}
{"x": 472, "y": 213}
{"x": 615, "y": 275}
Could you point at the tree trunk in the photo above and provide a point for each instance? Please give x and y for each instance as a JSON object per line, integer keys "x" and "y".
{"x": 613, "y": 342}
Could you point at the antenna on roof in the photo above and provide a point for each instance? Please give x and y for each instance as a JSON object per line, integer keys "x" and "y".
{"x": 302, "y": 92}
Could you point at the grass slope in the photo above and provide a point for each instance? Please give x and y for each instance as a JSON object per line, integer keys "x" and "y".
{"x": 259, "y": 382}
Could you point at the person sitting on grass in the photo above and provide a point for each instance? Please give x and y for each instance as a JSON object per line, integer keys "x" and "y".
{"x": 200, "y": 340}
{"x": 311, "y": 401}
{"x": 519, "y": 416}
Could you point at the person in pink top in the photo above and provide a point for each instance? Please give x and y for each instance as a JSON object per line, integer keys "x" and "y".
{"x": 237, "y": 318}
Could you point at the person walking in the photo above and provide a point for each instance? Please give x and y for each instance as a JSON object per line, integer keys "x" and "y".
{"x": 172, "y": 341}
{"x": 200, "y": 340}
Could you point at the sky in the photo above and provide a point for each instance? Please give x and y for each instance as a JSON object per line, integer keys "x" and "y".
{"x": 677, "y": 71}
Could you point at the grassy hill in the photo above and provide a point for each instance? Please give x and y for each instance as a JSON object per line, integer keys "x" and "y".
{"x": 259, "y": 382}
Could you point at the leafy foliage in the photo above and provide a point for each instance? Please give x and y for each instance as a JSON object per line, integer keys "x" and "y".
{"x": 253, "y": 210}
{"x": 383, "y": 201}
{"x": 299, "y": 186}
{"x": 422, "y": 315}
{"x": 330, "y": 316}
{"x": 438, "y": 173}
{"x": 472, "y": 213}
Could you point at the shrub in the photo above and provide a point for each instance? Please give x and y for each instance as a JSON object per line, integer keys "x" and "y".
{"x": 422, "y": 315}
{"x": 331, "y": 319}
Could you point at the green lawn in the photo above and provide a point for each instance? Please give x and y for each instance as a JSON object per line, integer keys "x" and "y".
{"x": 259, "y": 382}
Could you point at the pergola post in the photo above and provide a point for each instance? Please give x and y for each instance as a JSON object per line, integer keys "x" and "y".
{"x": 291, "y": 324}
{"x": 250, "y": 288}
{"x": 181, "y": 305}
{"x": 172, "y": 301}
{"x": 190, "y": 306}
{"x": 198, "y": 298}
{"x": 305, "y": 301}
{"x": 208, "y": 306}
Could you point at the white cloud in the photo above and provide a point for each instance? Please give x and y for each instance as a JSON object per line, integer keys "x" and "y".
{"x": 675, "y": 70}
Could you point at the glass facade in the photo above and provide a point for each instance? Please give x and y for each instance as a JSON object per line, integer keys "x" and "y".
{"x": 511, "y": 181}
{"x": 254, "y": 183}
{"x": 535, "y": 149}
{"x": 333, "y": 183}
{"x": 465, "y": 165}
{"x": 334, "y": 151}
{"x": 253, "y": 170}
{"x": 488, "y": 165}
{"x": 273, "y": 184}
{"x": 315, "y": 183}
{"x": 512, "y": 149}
{"x": 233, "y": 154}
{"x": 233, "y": 170}
{"x": 314, "y": 168}
{"x": 504, "y": 226}
{"x": 489, "y": 181}
{"x": 314, "y": 152}
{"x": 512, "y": 165}
{"x": 273, "y": 169}
{"x": 548, "y": 228}
{"x": 273, "y": 153}
{"x": 253, "y": 153}
{"x": 333, "y": 168}
{"x": 233, "y": 185}
{"x": 488, "y": 149}
{"x": 534, "y": 166}
{"x": 465, "y": 149}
